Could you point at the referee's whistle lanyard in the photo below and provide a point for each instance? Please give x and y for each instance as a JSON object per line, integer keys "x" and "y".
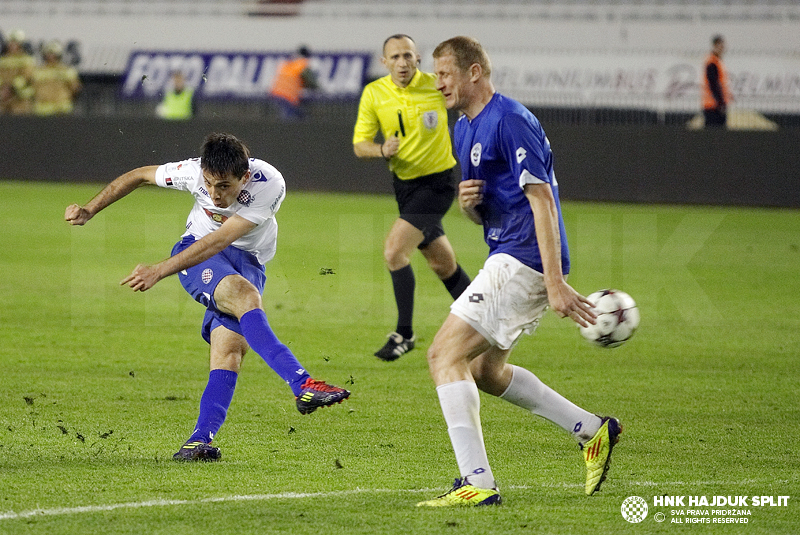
{"x": 402, "y": 126}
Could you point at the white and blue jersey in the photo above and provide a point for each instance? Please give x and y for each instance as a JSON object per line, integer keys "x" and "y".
{"x": 505, "y": 146}
{"x": 258, "y": 203}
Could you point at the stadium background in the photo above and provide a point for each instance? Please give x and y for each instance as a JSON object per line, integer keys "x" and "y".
{"x": 628, "y": 138}
{"x": 100, "y": 383}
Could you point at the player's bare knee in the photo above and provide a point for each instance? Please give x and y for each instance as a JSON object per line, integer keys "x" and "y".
{"x": 433, "y": 356}
{"x": 441, "y": 358}
{"x": 250, "y": 299}
{"x": 230, "y": 361}
{"x": 395, "y": 258}
{"x": 227, "y": 350}
{"x": 236, "y": 295}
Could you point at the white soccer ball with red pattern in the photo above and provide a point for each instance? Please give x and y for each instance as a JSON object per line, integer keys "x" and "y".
{"x": 617, "y": 318}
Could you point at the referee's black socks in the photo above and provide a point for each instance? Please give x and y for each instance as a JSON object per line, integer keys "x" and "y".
{"x": 404, "y": 283}
{"x": 457, "y": 282}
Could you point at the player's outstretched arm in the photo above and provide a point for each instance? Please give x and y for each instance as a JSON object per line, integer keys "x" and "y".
{"x": 564, "y": 300}
{"x": 114, "y": 191}
{"x": 144, "y": 277}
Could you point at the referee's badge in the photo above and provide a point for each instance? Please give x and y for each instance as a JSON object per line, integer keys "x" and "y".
{"x": 430, "y": 119}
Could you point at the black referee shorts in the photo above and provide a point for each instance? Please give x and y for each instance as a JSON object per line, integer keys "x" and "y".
{"x": 424, "y": 201}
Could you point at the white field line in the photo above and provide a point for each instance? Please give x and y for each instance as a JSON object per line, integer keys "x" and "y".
{"x": 61, "y": 511}
{"x": 164, "y": 503}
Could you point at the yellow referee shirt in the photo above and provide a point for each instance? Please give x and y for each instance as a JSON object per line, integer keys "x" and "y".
{"x": 417, "y": 114}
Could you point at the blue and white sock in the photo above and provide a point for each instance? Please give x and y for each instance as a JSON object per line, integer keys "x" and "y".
{"x": 214, "y": 404}
{"x": 529, "y": 392}
{"x": 259, "y": 336}
{"x": 461, "y": 406}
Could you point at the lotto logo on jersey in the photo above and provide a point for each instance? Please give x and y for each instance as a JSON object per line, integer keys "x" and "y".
{"x": 475, "y": 154}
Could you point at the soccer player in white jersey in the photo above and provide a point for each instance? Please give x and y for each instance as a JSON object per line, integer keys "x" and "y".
{"x": 230, "y": 234}
{"x": 508, "y": 186}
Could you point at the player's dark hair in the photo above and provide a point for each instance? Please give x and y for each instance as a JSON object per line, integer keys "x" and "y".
{"x": 397, "y": 36}
{"x": 223, "y": 155}
{"x": 717, "y": 39}
{"x": 466, "y": 51}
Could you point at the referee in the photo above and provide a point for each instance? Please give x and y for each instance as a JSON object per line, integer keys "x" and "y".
{"x": 411, "y": 115}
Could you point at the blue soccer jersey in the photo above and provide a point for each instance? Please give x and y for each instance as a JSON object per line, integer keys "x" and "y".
{"x": 507, "y": 148}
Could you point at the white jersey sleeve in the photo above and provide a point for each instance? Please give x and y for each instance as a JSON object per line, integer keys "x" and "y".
{"x": 258, "y": 202}
{"x": 262, "y": 196}
{"x": 185, "y": 175}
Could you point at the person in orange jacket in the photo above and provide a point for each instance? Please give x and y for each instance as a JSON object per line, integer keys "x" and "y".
{"x": 293, "y": 76}
{"x": 716, "y": 93}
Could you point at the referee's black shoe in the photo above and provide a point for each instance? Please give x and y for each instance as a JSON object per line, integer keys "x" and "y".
{"x": 396, "y": 346}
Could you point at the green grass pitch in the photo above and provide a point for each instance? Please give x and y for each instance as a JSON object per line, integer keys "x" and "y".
{"x": 100, "y": 385}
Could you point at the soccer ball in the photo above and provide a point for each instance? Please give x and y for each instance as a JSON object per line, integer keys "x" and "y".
{"x": 617, "y": 318}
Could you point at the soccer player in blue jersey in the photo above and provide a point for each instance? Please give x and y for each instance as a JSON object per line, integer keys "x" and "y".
{"x": 508, "y": 186}
{"x": 231, "y": 232}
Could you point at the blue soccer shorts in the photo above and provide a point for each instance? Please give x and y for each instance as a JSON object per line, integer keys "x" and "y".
{"x": 201, "y": 281}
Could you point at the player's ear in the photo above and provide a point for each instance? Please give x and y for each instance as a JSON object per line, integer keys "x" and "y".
{"x": 246, "y": 177}
{"x": 475, "y": 72}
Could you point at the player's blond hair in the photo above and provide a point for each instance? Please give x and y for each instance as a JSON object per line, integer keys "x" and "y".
{"x": 466, "y": 51}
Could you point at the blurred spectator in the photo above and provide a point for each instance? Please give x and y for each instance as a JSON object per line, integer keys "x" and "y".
{"x": 178, "y": 103}
{"x": 16, "y": 73}
{"x": 716, "y": 93}
{"x": 54, "y": 83}
{"x": 293, "y": 76}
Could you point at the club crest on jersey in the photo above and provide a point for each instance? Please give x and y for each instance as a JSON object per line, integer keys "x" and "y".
{"x": 475, "y": 154}
{"x": 245, "y": 198}
{"x": 430, "y": 119}
{"x": 207, "y": 275}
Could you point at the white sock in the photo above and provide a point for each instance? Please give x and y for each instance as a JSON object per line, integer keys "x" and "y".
{"x": 461, "y": 407}
{"x": 527, "y": 391}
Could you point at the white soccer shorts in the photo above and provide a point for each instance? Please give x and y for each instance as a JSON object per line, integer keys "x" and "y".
{"x": 504, "y": 301}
